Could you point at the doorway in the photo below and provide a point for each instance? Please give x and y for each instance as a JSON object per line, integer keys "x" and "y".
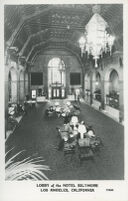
{"x": 56, "y": 92}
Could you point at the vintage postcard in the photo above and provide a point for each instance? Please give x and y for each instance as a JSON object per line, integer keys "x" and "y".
{"x": 63, "y": 104}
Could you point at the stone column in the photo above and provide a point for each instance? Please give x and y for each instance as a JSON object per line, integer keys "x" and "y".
{"x": 29, "y": 81}
{"x": 91, "y": 89}
{"x": 106, "y": 90}
{"x": 121, "y": 101}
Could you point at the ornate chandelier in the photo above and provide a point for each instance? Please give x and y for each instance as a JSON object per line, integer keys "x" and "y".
{"x": 96, "y": 40}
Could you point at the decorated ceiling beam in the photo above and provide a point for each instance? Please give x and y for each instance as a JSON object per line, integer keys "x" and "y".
{"x": 24, "y": 17}
{"x": 21, "y": 23}
{"x": 28, "y": 40}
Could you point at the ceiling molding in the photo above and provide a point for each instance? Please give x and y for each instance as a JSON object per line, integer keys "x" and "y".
{"x": 55, "y": 44}
{"x": 61, "y": 48}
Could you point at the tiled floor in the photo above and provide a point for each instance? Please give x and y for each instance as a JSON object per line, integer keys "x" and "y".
{"x": 38, "y": 136}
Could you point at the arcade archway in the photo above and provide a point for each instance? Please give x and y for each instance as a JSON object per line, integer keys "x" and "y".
{"x": 12, "y": 85}
{"x": 21, "y": 86}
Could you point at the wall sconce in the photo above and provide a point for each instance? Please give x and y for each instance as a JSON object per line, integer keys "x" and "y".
{"x": 12, "y": 53}
{"x": 13, "y": 49}
{"x": 22, "y": 60}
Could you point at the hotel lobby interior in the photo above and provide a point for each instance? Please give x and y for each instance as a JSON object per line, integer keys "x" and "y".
{"x": 64, "y": 73}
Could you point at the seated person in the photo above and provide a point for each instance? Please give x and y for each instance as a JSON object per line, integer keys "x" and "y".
{"x": 11, "y": 110}
{"x": 71, "y": 110}
{"x": 68, "y": 103}
{"x": 68, "y": 128}
{"x": 82, "y": 129}
{"x": 57, "y": 104}
{"x": 77, "y": 110}
{"x": 73, "y": 132}
{"x": 74, "y": 120}
{"x": 58, "y": 110}
{"x": 66, "y": 119}
{"x": 66, "y": 110}
{"x": 51, "y": 109}
{"x": 90, "y": 132}
{"x": 63, "y": 131}
{"x": 64, "y": 135}
{"x": 76, "y": 107}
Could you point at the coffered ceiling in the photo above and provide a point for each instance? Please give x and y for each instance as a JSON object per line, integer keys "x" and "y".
{"x": 33, "y": 28}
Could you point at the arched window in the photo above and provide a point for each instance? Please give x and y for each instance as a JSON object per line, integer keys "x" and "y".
{"x": 114, "y": 90}
{"x": 114, "y": 81}
{"x": 56, "y": 71}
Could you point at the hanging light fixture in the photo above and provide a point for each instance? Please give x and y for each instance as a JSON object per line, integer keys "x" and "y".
{"x": 82, "y": 43}
{"x": 96, "y": 40}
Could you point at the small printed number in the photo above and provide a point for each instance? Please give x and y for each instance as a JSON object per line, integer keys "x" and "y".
{"x": 109, "y": 189}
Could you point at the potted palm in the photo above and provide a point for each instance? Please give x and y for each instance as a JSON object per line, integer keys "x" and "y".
{"x": 26, "y": 169}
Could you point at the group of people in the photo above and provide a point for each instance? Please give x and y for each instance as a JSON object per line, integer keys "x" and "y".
{"x": 15, "y": 109}
{"x": 53, "y": 109}
{"x": 65, "y": 111}
{"x": 75, "y": 131}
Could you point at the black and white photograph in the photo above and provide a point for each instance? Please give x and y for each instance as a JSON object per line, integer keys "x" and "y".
{"x": 64, "y": 116}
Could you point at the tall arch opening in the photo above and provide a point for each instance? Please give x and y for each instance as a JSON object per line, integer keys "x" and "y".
{"x": 97, "y": 87}
{"x": 56, "y": 78}
{"x": 87, "y": 86}
{"x": 26, "y": 84}
{"x": 112, "y": 97}
{"x": 114, "y": 89}
{"x": 87, "y": 81}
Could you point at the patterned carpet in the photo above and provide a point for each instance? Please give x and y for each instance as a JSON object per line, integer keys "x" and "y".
{"x": 38, "y": 136}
